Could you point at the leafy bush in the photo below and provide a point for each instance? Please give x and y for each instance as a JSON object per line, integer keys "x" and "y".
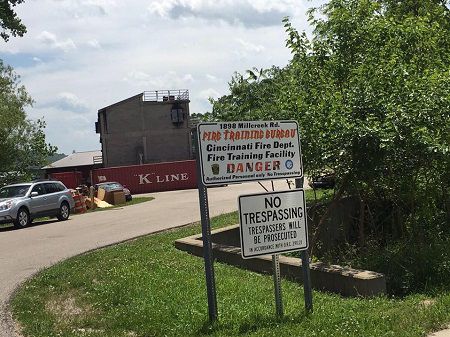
{"x": 371, "y": 92}
{"x": 409, "y": 267}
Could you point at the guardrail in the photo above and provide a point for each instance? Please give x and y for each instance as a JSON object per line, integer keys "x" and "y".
{"x": 165, "y": 95}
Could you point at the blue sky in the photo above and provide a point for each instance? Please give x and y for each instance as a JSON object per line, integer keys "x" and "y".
{"x": 79, "y": 56}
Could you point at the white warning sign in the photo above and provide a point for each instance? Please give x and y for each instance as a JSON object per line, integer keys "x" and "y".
{"x": 232, "y": 152}
{"x": 272, "y": 223}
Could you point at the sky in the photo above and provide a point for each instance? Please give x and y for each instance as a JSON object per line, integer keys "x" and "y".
{"x": 79, "y": 56}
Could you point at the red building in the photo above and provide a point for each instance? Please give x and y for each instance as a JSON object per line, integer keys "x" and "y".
{"x": 75, "y": 169}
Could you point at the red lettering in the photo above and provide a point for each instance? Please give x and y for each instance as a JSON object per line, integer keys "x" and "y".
{"x": 212, "y": 135}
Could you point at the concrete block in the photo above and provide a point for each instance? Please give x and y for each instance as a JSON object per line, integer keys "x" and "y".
{"x": 333, "y": 278}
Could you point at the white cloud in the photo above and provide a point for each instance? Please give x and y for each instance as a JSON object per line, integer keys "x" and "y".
{"x": 50, "y": 39}
{"x": 80, "y": 9}
{"x": 71, "y": 102}
{"x": 188, "y": 78}
{"x": 209, "y": 93}
{"x": 47, "y": 37}
{"x": 250, "y": 47}
{"x": 235, "y": 12}
{"x": 247, "y": 50}
{"x": 94, "y": 44}
{"x": 169, "y": 80}
{"x": 66, "y": 101}
{"x": 82, "y": 55}
{"x": 137, "y": 76}
{"x": 212, "y": 78}
{"x": 161, "y": 8}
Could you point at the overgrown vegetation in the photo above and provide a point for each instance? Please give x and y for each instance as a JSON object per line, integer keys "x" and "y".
{"x": 370, "y": 90}
{"x": 148, "y": 288}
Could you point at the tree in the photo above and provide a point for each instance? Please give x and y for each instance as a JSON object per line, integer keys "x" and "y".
{"x": 22, "y": 142}
{"x": 375, "y": 78}
{"x": 9, "y": 21}
{"x": 370, "y": 90}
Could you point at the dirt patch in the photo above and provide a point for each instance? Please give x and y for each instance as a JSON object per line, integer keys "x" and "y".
{"x": 68, "y": 307}
{"x": 88, "y": 331}
{"x": 428, "y": 302}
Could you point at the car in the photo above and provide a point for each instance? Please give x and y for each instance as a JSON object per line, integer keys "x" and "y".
{"x": 325, "y": 180}
{"x": 114, "y": 186}
{"x": 23, "y": 202}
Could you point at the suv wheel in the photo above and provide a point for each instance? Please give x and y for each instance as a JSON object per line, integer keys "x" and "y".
{"x": 23, "y": 218}
{"x": 64, "y": 211}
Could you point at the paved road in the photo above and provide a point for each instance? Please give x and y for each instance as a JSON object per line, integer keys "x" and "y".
{"x": 24, "y": 252}
{"x": 443, "y": 333}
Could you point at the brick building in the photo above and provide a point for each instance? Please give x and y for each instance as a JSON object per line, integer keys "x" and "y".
{"x": 150, "y": 127}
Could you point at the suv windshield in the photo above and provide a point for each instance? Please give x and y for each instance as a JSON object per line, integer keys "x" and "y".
{"x": 14, "y": 191}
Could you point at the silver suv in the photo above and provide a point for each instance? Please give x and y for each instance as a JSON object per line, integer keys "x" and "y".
{"x": 21, "y": 203}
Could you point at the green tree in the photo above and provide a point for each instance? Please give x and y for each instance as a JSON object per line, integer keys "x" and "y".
{"x": 9, "y": 21}
{"x": 22, "y": 142}
{"x": 377, "y": 73}
{"x": 371, "y": 92}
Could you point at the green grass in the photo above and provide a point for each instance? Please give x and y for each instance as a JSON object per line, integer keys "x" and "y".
{"x": 146, "y": 287}
{"x": 320, "y": 195}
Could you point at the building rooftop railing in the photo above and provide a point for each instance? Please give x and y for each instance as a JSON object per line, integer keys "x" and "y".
{"x": 97, "y": 159}
{"x": 165, "y": 95}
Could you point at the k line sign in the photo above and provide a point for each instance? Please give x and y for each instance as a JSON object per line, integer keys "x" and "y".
{"x": 272, "y": 223}
{"x": 232, "y": 152}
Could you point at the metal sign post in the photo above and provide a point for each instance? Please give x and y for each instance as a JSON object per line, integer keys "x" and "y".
{"x": 270, "y": 223}
{"x": 277, "y": 285}
{"x": 306, "y": 281}
{"x": 207, "y": 244}
{"x": 277, "y": 280}
{"x": 305, "y": 266}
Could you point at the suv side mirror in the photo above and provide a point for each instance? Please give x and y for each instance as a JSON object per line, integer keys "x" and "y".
{"x": 34, "y": 194}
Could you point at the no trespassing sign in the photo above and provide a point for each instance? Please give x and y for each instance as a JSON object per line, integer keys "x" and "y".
{"x": 272, "y": 223}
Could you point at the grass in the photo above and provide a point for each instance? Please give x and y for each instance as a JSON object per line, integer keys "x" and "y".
{"x": 146, "y": 287}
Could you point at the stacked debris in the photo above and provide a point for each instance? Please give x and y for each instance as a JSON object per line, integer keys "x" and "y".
{"x": 88, "y": 198}
{"x": 80, "y": 204}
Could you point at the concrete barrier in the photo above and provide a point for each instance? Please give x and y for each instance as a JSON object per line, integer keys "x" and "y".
{"x": 333, "y": 278}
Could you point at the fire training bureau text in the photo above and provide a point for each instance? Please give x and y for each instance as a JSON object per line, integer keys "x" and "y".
{"x": 248, "y": 134}
{"x": 251, "y": 154}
